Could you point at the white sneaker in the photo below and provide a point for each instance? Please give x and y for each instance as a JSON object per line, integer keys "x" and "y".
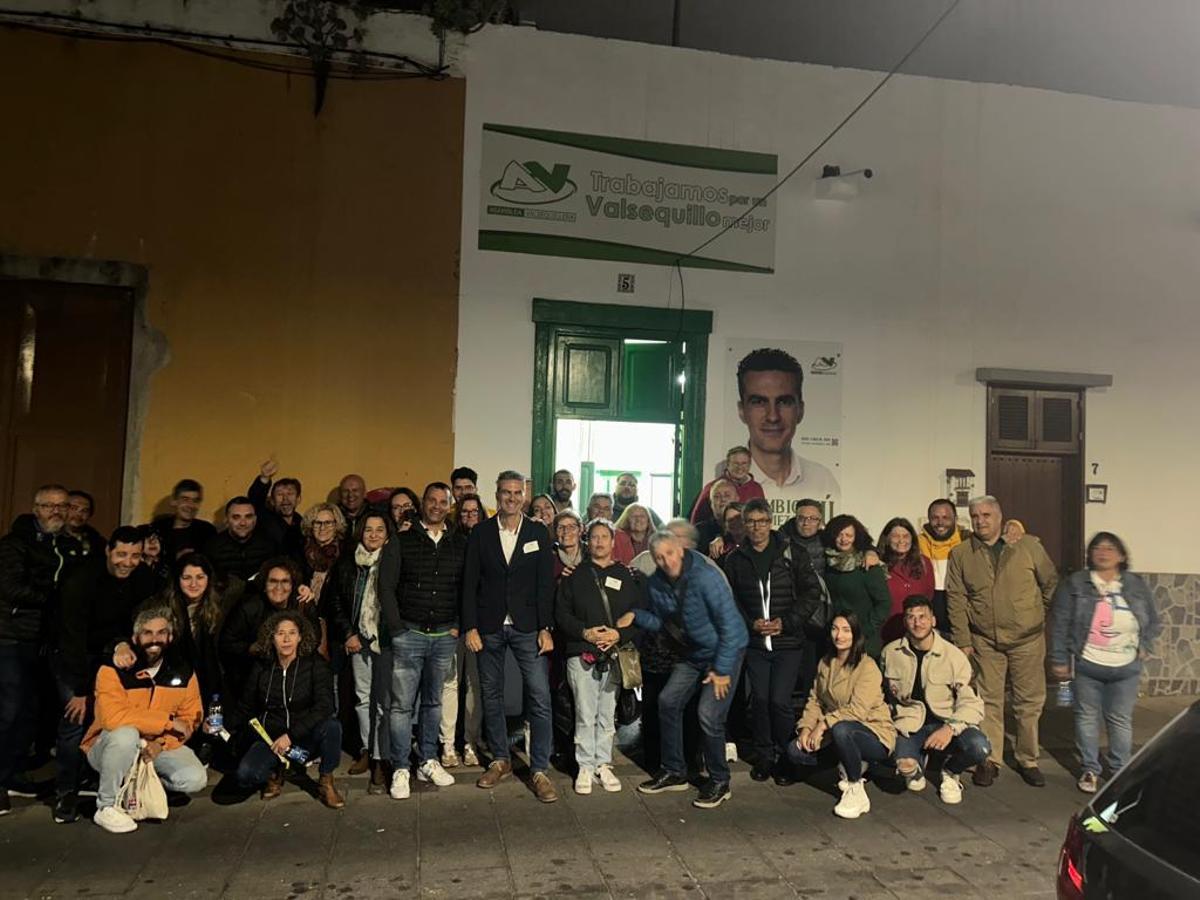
{"x": 399, "y": 789}
{"x": 449, "y": 757}
{"x": 431, "y": 770}
{"x": 854, "y": 800}
{"x": 608, "y": 779}
{"x": 950, "y": 790}
{"x": 915, "y": 782}
{"x": 731, "y": 752}
{"x": 114, "y": 820}
{"x": 583, "y": 781}
{"x": 469, "y": 758}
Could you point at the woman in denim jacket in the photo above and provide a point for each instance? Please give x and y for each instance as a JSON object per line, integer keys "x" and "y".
{"x": 1104, "y": 624}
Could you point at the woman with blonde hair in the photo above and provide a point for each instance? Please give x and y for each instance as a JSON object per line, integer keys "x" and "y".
{"x": 636, "y": 522}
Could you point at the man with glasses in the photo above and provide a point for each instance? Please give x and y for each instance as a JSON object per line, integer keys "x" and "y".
{"x": 777, "y": 591}
{"x": 30, "y": 566}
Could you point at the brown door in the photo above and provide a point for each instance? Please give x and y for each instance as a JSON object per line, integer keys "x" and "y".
{"x": 64, "y": 393}
{"x": 1044, "y": 493}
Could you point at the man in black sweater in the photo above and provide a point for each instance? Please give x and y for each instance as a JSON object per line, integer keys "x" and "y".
{"x": 420, "y": 579}
{"x": 508, "y": 604}
{"x": 242, "y": 547}
{"x": 97, "y": 606}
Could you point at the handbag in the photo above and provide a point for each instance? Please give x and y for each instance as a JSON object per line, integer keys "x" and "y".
{"x": 627, "y": 656}
{"x": 142, "y": 796}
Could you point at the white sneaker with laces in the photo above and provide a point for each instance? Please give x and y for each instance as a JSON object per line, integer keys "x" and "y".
{"x": 114, "y": 821}
{"x": 449, "y": 757}
{"x": 469, "y": 758}
{"x": 431, "y": 770}
{"x": 854, "y": 802}
{"x": 399, "y": 789}
{"x": 915, "y": 781}
{"x": 950, "y": 790}
{"x": 608, "y": 779}
{"x": 583, "y": 781}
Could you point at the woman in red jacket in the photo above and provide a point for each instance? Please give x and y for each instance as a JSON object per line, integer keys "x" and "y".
{"x": 908, "y": 572}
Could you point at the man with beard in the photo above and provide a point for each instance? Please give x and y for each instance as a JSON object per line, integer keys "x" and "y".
{"x": 157, "y": 700}
{"x": 80, "y": 539}
{"x": 939, "y": 535}
{"x": 276, "y": 504}
{"x": 562, "y": 486}
{"x": 627, "y": 493}
{"x": 30, "y": 564}
{"x": 97, "y": 606}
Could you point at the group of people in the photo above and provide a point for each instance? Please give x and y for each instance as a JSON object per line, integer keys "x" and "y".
{"x": 391, "y": 610}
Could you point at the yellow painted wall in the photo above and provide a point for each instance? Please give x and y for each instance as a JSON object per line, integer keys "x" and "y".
{"x": 302, "y": 270}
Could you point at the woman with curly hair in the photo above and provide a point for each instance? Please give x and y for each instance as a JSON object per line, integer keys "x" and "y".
{"x": 290, "y": 692}
{"x": 862, "y": 591}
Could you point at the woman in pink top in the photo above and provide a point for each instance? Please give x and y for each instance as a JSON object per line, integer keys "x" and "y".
{"x": 909, "y": 572}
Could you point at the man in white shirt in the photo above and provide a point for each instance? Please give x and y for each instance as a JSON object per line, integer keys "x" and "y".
{"x": 771, "y": 404}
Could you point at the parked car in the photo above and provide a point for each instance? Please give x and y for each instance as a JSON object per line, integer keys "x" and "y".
{"x": 1140, "y": 835}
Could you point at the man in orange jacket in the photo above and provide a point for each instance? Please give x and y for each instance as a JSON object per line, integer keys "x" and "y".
{"x": 151, "y": 708}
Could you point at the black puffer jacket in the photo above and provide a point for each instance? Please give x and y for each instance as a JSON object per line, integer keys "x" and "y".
{"x": 795, "y": 591}
{"x": 339, "y": 595}
{"x": 30, "y": 564}
{"x": 579, "y": 605}
{"x": 230, "y": 556}
{"x": 240, "y": 631}
{"x": 420, "y": 583}
{"x": 294, "y": 700}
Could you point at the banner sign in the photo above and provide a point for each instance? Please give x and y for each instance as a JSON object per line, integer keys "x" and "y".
{"x": 788, "y": 413}
{"x": 562, "y": 194}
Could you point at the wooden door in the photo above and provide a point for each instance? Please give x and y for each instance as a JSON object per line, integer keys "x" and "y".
{"x": 1044, "y": 492}
{"x": 64, "y": 392}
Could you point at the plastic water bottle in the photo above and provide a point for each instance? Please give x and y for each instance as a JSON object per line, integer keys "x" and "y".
{"x": 216, "y": 718}
{"x": 1065, "y": 694}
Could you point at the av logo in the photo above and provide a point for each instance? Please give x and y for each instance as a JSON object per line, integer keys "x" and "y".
{"x": 530, "y": 184}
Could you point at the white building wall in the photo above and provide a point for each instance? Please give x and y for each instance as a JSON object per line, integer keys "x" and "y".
{"x": 1006, "y": 227}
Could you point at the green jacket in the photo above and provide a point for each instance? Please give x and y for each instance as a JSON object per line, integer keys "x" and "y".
{"x": 863, "y": 592}
{"x": 1004, "y": 603}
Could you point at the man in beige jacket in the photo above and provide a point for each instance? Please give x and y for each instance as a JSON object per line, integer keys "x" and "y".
{"x": 997, "y": 594}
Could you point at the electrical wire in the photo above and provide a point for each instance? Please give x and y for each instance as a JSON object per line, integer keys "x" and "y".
{"x": 58, "y": 24}
{"x": 825, "y": 140}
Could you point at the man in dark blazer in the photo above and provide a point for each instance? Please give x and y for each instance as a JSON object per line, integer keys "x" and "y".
{"x": 508, "y": 604}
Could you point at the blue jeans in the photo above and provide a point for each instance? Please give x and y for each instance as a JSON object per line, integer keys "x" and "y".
{"x": 420, "y": 664}
{"x": 685, "y": 678}
{"x": 259, "y": 763}
{"x": 851, "y": 742}
{"x": 595, "y": 711}
{"x": 372, "y": 698}
{"x": 1110, "y": 693}
{"x": 113, "y": 754}
{"x": 524, "y": 646}
{"x": 18, "y": 705}
{"x": 964, "y": 750}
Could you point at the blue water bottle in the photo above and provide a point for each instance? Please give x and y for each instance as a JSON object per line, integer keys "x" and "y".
{"x": 216, "y": 717}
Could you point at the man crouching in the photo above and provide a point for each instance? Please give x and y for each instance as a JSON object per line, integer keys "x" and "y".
{"x": 156, "y": 701}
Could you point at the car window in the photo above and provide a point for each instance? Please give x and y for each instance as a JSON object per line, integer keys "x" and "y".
{"x": 1155, "y": 801}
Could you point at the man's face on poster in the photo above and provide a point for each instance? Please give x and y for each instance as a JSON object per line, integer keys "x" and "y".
{"x": 771, "y": 409}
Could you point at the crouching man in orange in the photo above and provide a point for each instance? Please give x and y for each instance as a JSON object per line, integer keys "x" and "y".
{"x": 151, "y": 708}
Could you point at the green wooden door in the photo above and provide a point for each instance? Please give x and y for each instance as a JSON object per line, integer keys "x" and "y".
{"x": 621, "y": 363}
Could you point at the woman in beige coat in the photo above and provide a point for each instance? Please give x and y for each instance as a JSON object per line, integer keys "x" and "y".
{"x": 845, "y": 715}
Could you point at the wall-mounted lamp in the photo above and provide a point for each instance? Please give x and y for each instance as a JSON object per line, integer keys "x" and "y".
{"x": 839, "y": 186}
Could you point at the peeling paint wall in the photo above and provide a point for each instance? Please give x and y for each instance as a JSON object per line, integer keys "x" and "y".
{"x": 300, "y": 273}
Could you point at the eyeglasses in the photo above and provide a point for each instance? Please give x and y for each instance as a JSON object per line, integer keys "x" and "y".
{"x": 53, "y": 505}
{"x": 568, "y": 526}
{"x": 324, "y": 523}
{"x": 810, "y": 520}
{"x": 757, "y": 523}
{"x": 279, "y": 582}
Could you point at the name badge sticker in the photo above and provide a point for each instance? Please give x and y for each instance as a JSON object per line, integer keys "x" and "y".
{"x": 613, "y": 584}
{"x": 531, "y": 547}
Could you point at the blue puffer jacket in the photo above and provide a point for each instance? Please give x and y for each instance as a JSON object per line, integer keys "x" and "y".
{"x": 716, "y": 632}
{"x": 1075, "y": 601}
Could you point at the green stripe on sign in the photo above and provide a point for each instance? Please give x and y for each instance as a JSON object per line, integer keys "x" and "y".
{"x": 583, "y": 248}
{"x": 675, "y": 154}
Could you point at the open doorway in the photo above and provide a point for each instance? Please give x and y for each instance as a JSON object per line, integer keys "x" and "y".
{"x": 620, "y": 389}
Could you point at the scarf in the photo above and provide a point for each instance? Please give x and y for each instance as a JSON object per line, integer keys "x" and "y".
{"x": 368, "y": 607}
{"x": 570, "y": 560}
{"x": 321, "y": 556}
{"x": 843, "y": 561}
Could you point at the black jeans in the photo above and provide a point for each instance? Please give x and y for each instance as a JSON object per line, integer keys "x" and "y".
{"x": 772, "y": 675}
{"x": 19, "y": 666}
{"x": 652, "y": 685}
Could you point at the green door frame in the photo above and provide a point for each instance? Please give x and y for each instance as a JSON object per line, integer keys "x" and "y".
{"x": 609, "y": 320}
